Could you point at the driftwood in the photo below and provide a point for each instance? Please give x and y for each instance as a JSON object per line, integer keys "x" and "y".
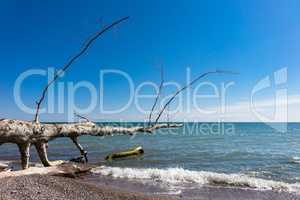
{"x": 65, "y": 169}
{"x": 25, "y": 134}
{"x": 71, "y": 61}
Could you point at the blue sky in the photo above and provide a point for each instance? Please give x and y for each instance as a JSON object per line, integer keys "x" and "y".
{"x": 254, "y": 38}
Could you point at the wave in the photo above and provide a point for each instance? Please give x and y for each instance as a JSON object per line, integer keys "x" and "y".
{"x": 295, "y": 160}
{"x": 175, "y": 176}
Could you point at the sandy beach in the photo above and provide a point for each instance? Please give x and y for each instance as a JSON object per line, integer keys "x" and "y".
{"x": 56, "y": 183}
{"x": 36, "y": 187}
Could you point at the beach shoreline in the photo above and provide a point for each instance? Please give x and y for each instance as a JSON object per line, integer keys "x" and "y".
{"x": 35, "y": 187}
{"x": 195, "y": 192}
{"x": 54, "y": 184}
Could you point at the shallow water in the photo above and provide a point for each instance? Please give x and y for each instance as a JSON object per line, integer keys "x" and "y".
{"x": 234, "y": 154}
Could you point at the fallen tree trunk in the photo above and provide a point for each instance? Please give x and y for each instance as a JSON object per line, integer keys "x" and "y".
{"x": 65, "y": 169}
{"x": 25, "y": 134}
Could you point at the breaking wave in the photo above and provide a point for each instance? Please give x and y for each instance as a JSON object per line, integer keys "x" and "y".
{"x": 175, "y": 176}
{"x": 295, "y": 160}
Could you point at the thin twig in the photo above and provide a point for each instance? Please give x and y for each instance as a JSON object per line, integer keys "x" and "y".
{"x": 82, "y": 117}
{"x": 187, "y": 86}
{"x": 158, "y": 94}
{"x": 70, "y": 62}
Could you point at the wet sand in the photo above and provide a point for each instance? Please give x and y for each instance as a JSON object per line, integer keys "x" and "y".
{"x": 193, "y": 193}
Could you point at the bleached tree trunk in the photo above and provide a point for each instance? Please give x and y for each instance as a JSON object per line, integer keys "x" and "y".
{"x": 25, "y": 134}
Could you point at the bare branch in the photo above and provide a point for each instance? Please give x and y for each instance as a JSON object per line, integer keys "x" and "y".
{"x": 71, "y": 61}
{"x": 158, "y": 94}
{"x": 82, "y": 117}
{"x": 189, "y": 85}
{"x": 81, "y": 149}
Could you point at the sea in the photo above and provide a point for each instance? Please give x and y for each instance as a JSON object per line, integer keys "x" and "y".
{"x": 182, "y": 161}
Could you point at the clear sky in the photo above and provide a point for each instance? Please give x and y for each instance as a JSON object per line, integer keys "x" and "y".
{"x": 255, "y": 38}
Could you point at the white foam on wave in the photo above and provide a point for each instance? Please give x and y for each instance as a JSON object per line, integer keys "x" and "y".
{"x": 173, "y": 176}
{"x": 296, "y": 160}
